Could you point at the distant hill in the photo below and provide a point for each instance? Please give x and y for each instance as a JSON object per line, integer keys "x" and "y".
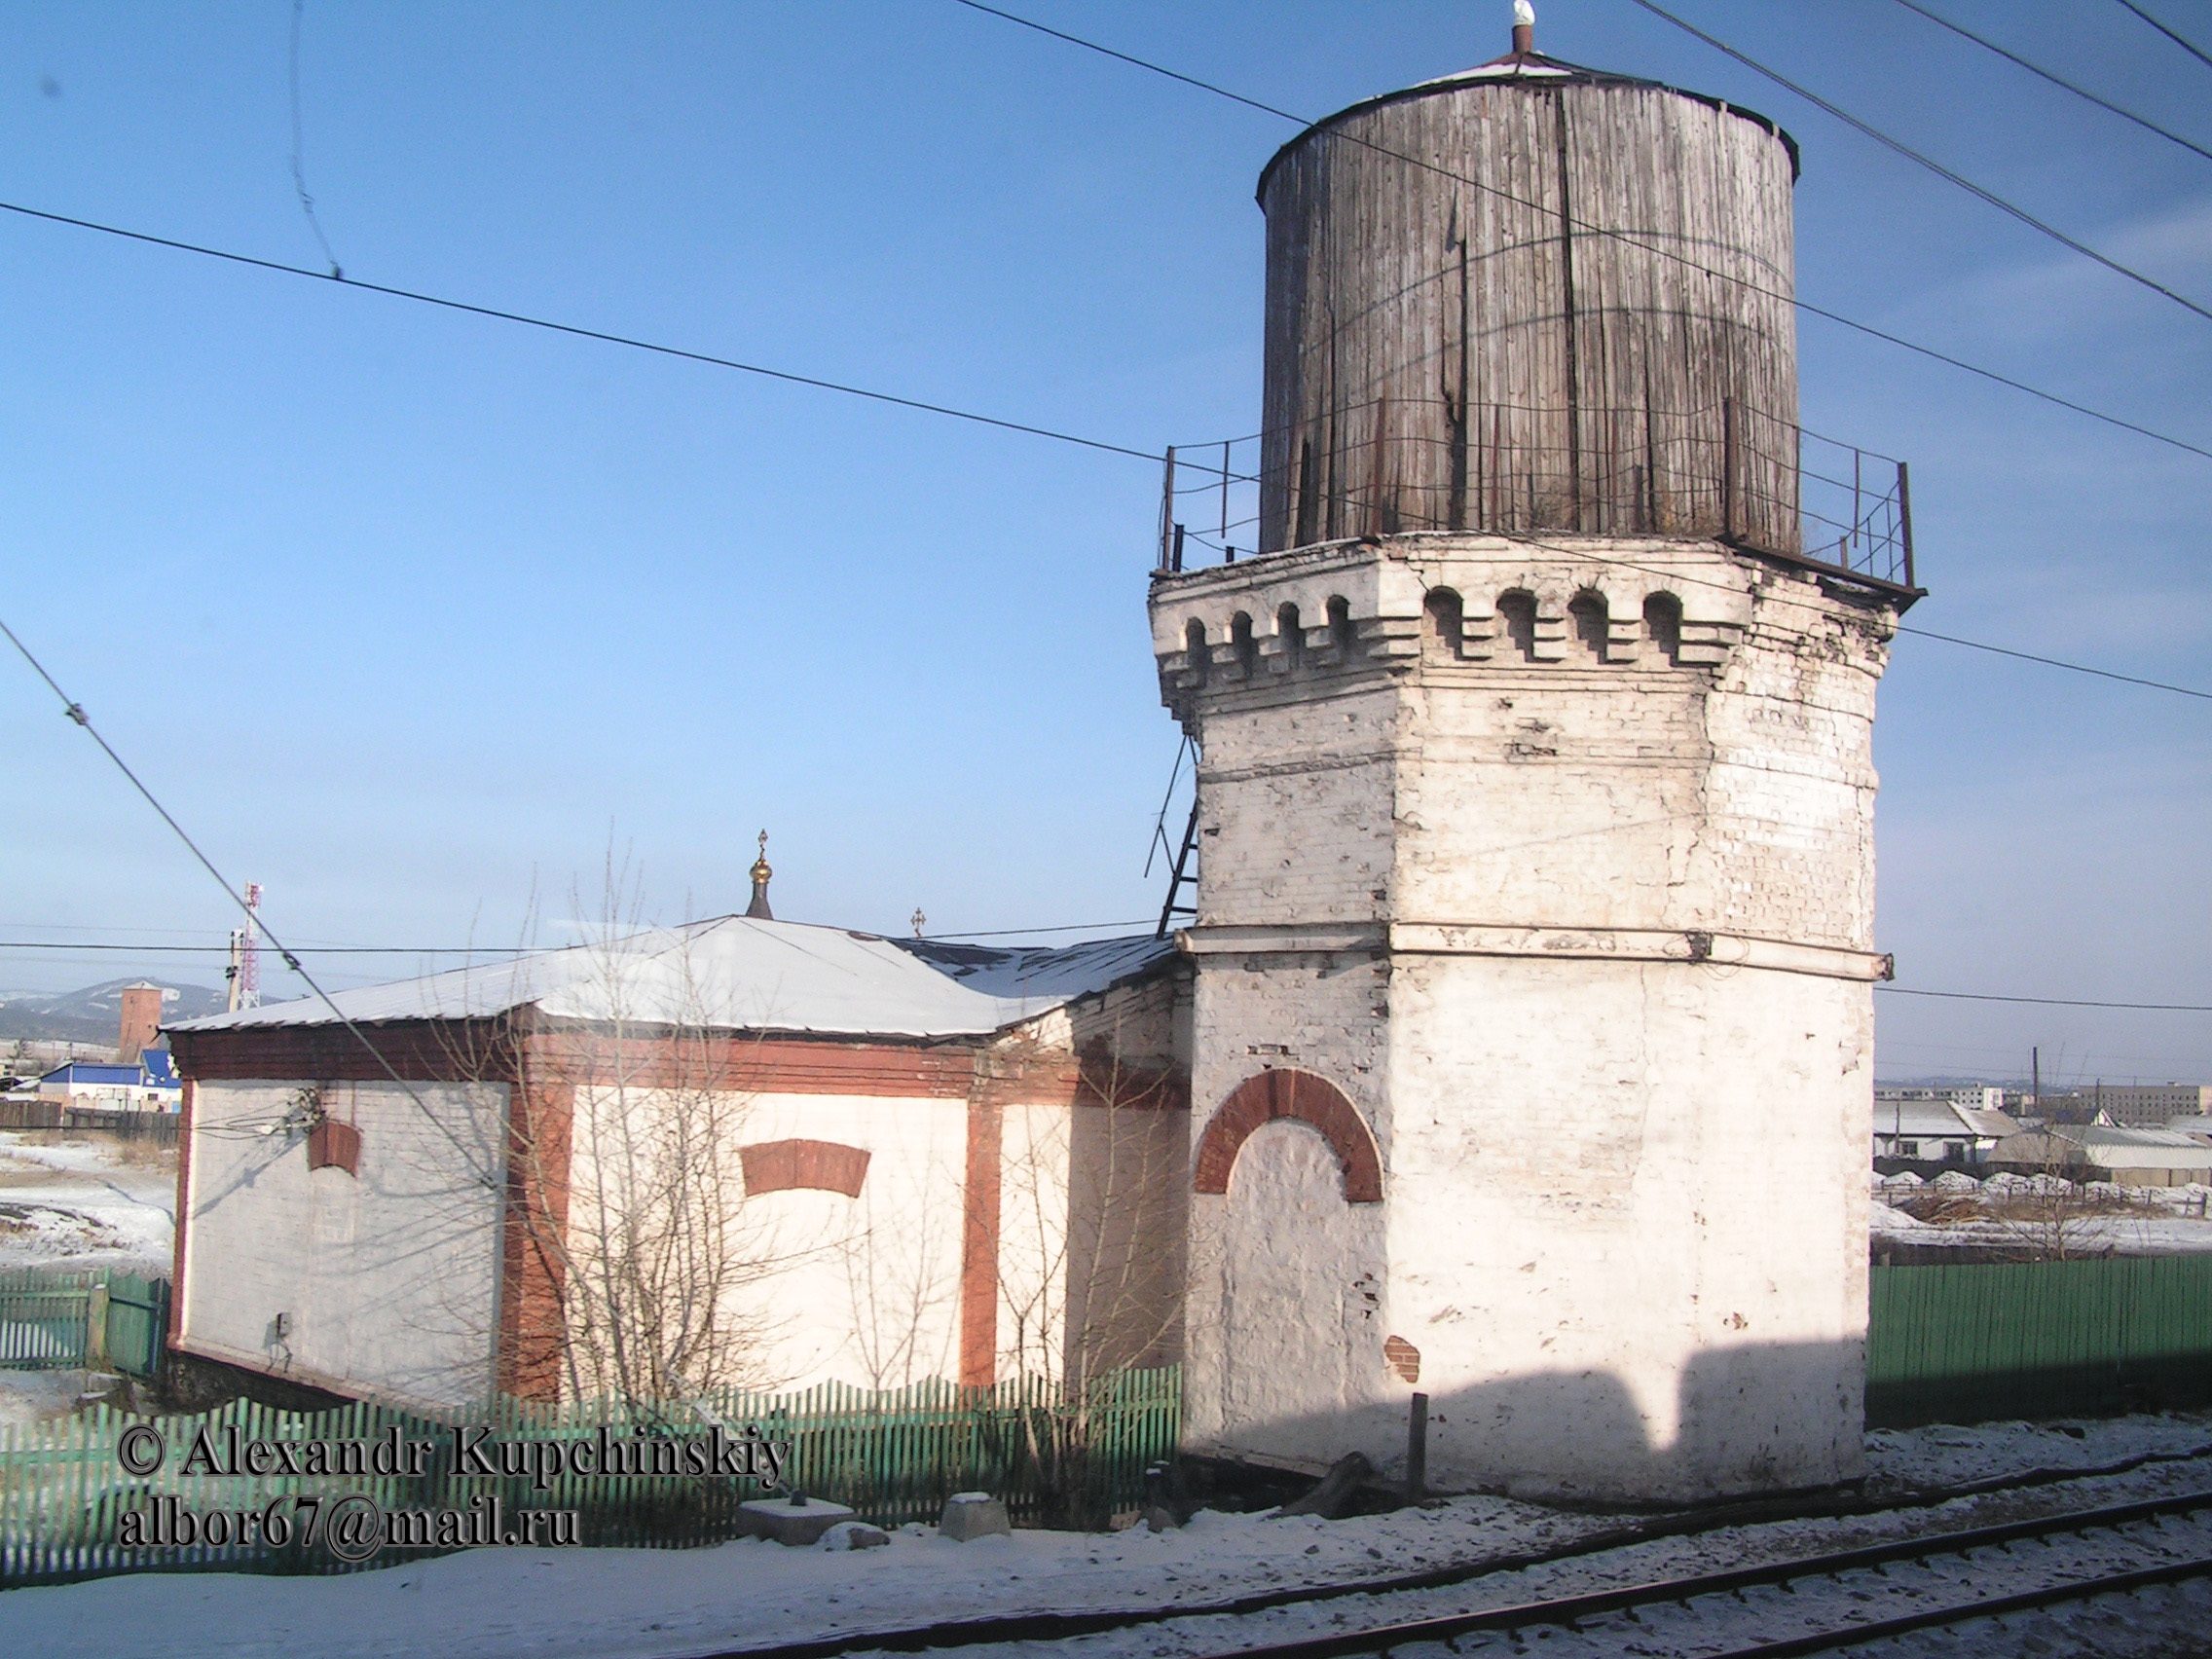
{"x": 92, "y": 1014}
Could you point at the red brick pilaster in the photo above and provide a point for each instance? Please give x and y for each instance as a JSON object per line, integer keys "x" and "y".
{"x": 540, "y": 1119}
{"x": 980, "y": 1243}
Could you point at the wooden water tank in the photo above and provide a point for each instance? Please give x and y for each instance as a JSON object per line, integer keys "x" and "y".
{"x": 1532, "y": 297}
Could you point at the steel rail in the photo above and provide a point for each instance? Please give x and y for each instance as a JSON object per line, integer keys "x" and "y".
{"x": 999, "y": 1627}
{"x": 1996, "y": 1607}
{"x": 1569, "y": 1610}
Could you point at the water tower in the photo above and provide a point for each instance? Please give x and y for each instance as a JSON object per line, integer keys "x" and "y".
{"x": 1534, "y": 829}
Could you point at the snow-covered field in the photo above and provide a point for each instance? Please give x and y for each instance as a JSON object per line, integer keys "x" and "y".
{"x": 634, "y": 1604}
{"x": 2030, "y": 1215}
{"x": 84, "y": 1202}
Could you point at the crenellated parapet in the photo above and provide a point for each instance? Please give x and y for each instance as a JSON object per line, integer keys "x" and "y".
{"x": 1356, "y": 609}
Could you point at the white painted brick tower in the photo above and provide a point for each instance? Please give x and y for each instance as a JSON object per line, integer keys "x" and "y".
{"x": 1535, "y": 930}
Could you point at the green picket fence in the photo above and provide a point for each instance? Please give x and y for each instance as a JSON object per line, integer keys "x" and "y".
{"x": 1982, "y": 1341}
{"x": 60, "y": 1320}
{"x": 44, "y": 1318}
{"x": 1057, "y": 1452}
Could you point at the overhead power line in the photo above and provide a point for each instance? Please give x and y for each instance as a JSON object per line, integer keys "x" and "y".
{"x": 1094, "y": 927}
{"x": 76, "y": 713}
{"x": 2104, "y": 104}
{"x": 298, "y": 950}
{"x": 2187, "y": 46}
{"x": 2048, "y": 1002}
{"x": 1929, "y": 162}
{"x": 2053, "y": 662}
{"x": 577, "y": 331}
{"x": 1868, "y": 329}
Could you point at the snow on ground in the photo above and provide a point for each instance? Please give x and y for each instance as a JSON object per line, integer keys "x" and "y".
{"x": 1948, "y": 1456}
{"x": 84, "y": 1202}
{"x": 28, "y": 1396}
{"x": 634, "y": 1604}
{"x": 2030, "y": 1215}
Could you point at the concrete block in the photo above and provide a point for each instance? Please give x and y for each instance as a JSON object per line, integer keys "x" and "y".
{"x": 787, "y": 1523}
{"x": 973, "y": 1515}
{"x": 853, "y": 1535}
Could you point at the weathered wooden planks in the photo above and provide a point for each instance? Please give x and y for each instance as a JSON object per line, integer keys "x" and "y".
{"x": 1536, "y": 322}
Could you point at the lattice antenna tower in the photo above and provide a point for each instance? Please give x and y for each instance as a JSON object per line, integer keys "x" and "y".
{"x": 245, "y": 972}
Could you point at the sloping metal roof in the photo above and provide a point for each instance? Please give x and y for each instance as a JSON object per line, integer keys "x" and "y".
{"x": 1532, "y": 70}
{"x": 1926, "y": 1118}
{"x": 742, "y": 974}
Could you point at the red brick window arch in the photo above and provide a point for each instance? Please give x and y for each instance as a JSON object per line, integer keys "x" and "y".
{"x": 1316, "y": 1102}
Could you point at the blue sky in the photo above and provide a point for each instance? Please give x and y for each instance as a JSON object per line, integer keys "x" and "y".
{"x": 411, "y": 616}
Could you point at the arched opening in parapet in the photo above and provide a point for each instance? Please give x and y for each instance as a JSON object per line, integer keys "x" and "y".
{"x": 1341, "y": 635}
{"x": 1240, "y": 642}
{"x": 1292, "y": 633}
{"x": 1589, "y": 614}
{"x": 1194, "y": 654}
{"x": 1310, "y": 1099}
{"x": 1517, "y": 621}
{"x": 1447, "y": 615}
{"x": 1663, "y": 625}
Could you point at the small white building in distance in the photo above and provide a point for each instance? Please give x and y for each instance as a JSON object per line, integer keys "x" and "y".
{"x": 1937, "y": 1130}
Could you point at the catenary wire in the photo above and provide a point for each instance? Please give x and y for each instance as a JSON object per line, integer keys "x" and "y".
{"x": 299, "y": 148}
{"x": 2053, "y": 662}
{"x": 2046, "y": 1002}
{"x": 1868, "y": 130}
{"x": 1023, "y": 426}
{"x": 76, "y": 713}
{"x": 2104, "y": 104}
{"x": 2186, "y": 45}
{"x": 1868, "y": 329}
{"x": 1678, "y": 576}
{"x": 298, "y": 950}
{"x": 579, "y": 332}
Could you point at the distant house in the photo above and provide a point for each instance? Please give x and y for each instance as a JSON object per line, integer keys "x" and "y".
{"x": 149, "y": 1083}
{"x": 2104, "y": 1152}
{"x": 1937, "y": 1130}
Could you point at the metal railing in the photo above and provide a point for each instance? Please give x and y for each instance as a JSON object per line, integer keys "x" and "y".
{"x": 1729, "y": 472}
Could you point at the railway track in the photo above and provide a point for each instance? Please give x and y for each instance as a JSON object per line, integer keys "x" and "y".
{"x": 996, "y": 1628}
{"x": 1641, "y": 1614}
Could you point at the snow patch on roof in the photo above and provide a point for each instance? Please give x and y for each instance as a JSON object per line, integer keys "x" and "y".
{"x": 743, "y": 974}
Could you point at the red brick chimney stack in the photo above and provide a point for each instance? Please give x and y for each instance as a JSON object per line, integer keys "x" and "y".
{"x": 141, "y": 1023}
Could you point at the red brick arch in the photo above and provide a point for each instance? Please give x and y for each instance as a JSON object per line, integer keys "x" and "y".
{"x": 781, "y": 1167}
{"x": 1287, "y": 1093}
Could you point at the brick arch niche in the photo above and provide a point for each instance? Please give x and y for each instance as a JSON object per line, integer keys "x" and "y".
{"x": 1312, "y": 1100}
